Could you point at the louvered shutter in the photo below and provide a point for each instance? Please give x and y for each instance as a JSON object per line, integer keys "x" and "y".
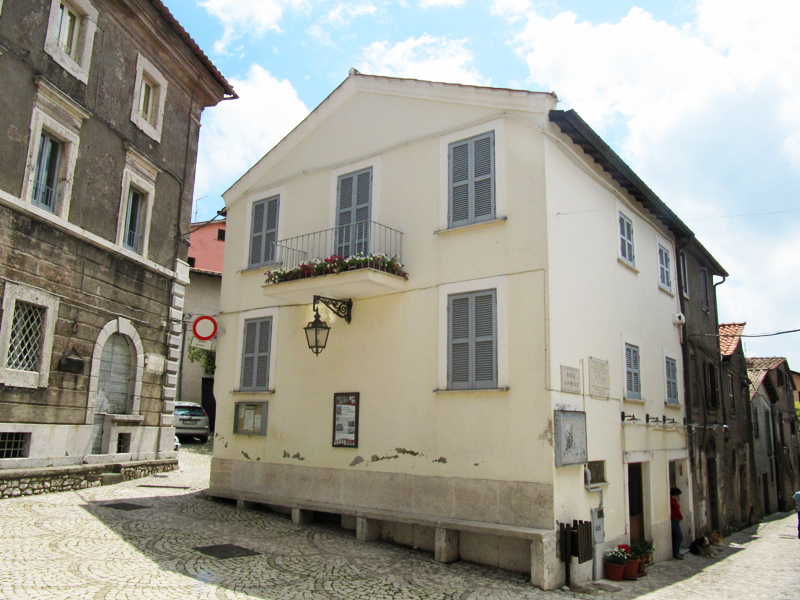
{"x": 459, "y": 371}
{"x": 353, "y": 215}
{"x": 485, "y": 340}
{"x": 271, "y": 229}
{"x": 663, "y": 260}
{"x": 256, "y": 354}
{"x": 362, "y": 209}
{"x": 472, "y": 181}
{"x": 264, "y": 231}
{"x": 704, "y": 289}
{"x": 257, "y": 234}
{"x": 633, "y": 382}
{"x": 672, "y": 381}
{"x": 626, "y": 238}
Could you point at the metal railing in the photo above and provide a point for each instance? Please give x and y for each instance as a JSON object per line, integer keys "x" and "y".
{"x": 363, "y": 237}
{"x": 44, "y": 196}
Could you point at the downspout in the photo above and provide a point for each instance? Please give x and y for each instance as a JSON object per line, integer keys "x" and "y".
{"x": 719, "y": 364}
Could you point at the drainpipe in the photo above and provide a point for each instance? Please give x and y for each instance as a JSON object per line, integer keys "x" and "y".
{"x": 719, "y": 363}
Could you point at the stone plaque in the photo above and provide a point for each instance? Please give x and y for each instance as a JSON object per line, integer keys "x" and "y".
{"x": 570, "y": 380}
{"x": 155, "y": 363}
{"x": 570, "y": 437}
{"x": 599, "y": 384}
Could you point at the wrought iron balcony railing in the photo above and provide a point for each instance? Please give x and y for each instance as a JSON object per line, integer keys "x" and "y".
{"x": 363, "y": 237}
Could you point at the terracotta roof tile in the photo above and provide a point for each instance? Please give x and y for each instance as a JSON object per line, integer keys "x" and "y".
{"x": 757, "y": 369}
{"x": 729, "y": 336}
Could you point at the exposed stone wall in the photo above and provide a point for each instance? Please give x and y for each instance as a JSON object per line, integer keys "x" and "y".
{"x": 139, "y": 470}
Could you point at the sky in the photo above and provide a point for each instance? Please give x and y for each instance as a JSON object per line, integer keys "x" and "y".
{"x": 700, "y": 97}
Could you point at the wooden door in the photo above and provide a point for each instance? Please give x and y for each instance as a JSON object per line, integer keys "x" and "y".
{"x": 636, "y": 501}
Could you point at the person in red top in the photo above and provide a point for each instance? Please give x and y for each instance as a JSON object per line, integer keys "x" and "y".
{"x": 676, "y": 516}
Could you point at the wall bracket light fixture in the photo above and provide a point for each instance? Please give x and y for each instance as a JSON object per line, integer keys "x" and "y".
{"x": 317, "y": 331}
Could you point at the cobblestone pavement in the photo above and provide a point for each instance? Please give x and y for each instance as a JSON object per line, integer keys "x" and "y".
{"x": 74, "y": 545}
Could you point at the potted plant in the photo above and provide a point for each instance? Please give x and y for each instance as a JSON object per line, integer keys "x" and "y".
{"x": 632, "y": 562}
{"x": 643, "y": 549}
{"x": 615, "y": 561}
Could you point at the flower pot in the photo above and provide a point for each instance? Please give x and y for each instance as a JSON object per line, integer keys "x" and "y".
{"x": 632, "y": 569}
{"x": 614, "y": 572}
{"x": 642, "y": 563}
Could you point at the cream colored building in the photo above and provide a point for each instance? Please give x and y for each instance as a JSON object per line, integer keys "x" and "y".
{"x": 541, "y": 290}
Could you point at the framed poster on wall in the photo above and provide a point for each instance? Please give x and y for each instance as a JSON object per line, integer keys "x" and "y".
{"x": 345, "y": 420}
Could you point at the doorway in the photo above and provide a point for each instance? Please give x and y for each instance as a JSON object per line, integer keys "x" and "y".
{"x": 113, "y": 387}
{"x": 713, "y": 497}
{"x": 208, "y": 401}
{"x": 636, "y": 501}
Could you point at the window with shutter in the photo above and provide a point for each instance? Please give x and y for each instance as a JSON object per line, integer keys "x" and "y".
{"x": 256, "y": 354}
{"x": 264, "y": 232}
{"x": 472, "y": 336}
{"x": 704, "y": 303}
{"x": 731, "y": 394}
{"x": 665, "y": 277}
{"x": 633, "y": 386}
{"x": 756, "y": 432}
{"x": 684, "y": 275}
{"x": 472, "y": 180}
{"x": 672, "y": 380}
{"x": 626, "y": 239}
{"x": 354, "y": 200}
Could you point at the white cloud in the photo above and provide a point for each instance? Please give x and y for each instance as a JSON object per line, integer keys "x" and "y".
{"x": 237, "y": 133}
{"x": 440, "y": 3}
{"x": 425, "y": 57}
{"x": 245, "y": 16}
{"x": 511, "y": 9}
{"x": 341, "y": 14}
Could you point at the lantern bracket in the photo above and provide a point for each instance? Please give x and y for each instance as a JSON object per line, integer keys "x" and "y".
{"x": 342, "y": 308}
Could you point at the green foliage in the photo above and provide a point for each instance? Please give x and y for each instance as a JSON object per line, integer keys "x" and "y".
{"x": 206, "y": 358}
{"x": 641, "y": 548}
{"x": 617, "y": 556}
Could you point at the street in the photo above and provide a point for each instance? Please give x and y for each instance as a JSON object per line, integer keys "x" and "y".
{"x": 78, "y": 545}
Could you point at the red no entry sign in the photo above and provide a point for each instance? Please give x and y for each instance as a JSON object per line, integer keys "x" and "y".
{"x": 204, "y": 328}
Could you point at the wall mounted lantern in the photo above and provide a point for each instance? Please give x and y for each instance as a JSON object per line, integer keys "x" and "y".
{"x": 317, "y": 330}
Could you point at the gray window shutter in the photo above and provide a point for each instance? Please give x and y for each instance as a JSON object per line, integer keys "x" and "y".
{"x": 472, "y": 333}
{"x": 472, "y": 180}
{"x": 264, "y": 231}
{"x": 704, "y": 289}
{"x": 353, "y": 214}
{"x": 633, "y": 381}
{"x": 672, "y": 381}
{"x": 256, "y": 353}
{"x": 626, "y": 238}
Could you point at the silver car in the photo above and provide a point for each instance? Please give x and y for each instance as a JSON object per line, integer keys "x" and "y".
{"x": 191, "y": 420}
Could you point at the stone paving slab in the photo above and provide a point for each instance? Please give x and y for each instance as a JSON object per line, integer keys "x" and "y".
{"x": 72, "y": 545}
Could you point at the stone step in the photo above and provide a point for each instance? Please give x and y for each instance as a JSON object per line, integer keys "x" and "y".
{"x": 111, "y": 478}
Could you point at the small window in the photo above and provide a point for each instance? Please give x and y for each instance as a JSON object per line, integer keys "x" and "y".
{"x": 70, "y": 35}
{"x": 221, "y": 235}
{"x": 264, "y": 231}
{"x": 45, "y": 184}
{"x": 781, "y": 381}
{"x": 250, "y": 418}
{"x": 134, "y": 226}
{"x": 731, "y": 394}
{"x": 472, "y": 335}
{"x": 633, "y": 386}
{"x": 756, "y": 432}
{"x": 68, "y": 24}
{"x": 671, "y": 367}
{"x": 256, "y": 354}
{"x": 597, "y": 470}
{"x": 711, "y": 384}
{"x": 626, "y": 240}
{"x": 123, "y": 443}
{"x": 704, "y": 298}
{"x": 149, "y": 100}
{"x": 25, "y": 344}
{"x": 191, "y": 261}
{"x": 472, "y": 180}
{"x": 684, "y": 275}
{"x": 665, "y": 276}
{"x": 14, "y": 444}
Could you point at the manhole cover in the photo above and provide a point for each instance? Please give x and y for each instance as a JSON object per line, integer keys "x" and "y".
{"x": 125, "y": 506}
{"x": 223, "y": 551}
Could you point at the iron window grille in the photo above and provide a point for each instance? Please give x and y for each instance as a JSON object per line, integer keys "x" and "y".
{"x": 14, "y": 444}
{"x": 26, "y": 335}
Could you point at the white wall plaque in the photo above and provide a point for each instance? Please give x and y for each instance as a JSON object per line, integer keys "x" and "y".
{"x": 155, "y": 363}
{"x": 570, "y": 380}
{"x": 570, "y": 434}
{"x": 599, "y": 384}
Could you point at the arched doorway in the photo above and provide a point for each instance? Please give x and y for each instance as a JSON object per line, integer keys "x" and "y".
{"x": 114, "y": 385}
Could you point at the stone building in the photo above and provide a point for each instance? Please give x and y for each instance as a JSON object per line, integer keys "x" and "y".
{"x": 99, "y": 115}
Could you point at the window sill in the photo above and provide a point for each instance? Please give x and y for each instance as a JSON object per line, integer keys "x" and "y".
{"x": 471, "y": 226}
{"x": 675, "y": 406}
{"x": 667, "y": 291}
{"x": 490, "y": 390}
{"x": 627, "y": 265}
{"x": 253, "y": 392}
{"x": 635, "y": 400}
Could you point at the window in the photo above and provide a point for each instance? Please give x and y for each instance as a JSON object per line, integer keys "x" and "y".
{"x": 704, "y": 301}
{"x": 26, "y": 336}
{"x": 149, "y": 97}
{"x": 14, "y": 444}
{"x": 472, "y": 334}
{"x": 626, "y": 240}
{"x": 353, "y": 211}
{"x": 731, "y": 394}
{"x": 123, "y": 443}
{"x": 633, "y": 386}
{"x": 781, "y": 381}
{"x": 264, "y": 231}
{"x": 250, "y": 418}
{"x": 665, "y": 276}
{"x": 756, "y": 432}
{"x": 70, "y": 35}
{"x": 684, "y": 275}
{"x": 768, "y": 431}
{"x": 136, "y": 203}
{"x": 220, "y": 235}
{"x": 46, "y": 176}
{"x": 472, "y": 180}
{"x": 597, "y": 470}
{"x": 711, "y": 384}
{"x": 256, "y": 354}
{"x": 191, "y": 261}
{"x": 671, "y": 367}
{"x": 132, "y": 236}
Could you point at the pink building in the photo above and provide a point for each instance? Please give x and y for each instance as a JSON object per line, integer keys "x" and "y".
{"x": 207, "y": 245}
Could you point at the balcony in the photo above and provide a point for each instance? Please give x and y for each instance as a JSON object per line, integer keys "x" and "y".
{"x": 338, "y": 263}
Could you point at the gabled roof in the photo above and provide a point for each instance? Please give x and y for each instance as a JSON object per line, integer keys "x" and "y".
{"x": 729, "y": 336}
{"x": 757, "y": 369}
{"x": 574, "y": 127}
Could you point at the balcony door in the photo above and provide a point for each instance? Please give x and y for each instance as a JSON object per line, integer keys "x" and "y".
{"x": 354, "y": 193}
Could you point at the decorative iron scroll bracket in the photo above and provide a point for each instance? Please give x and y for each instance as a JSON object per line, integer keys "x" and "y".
{"x": 342, "y": 308}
